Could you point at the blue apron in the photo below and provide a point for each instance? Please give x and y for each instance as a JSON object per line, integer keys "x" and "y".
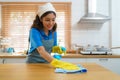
{"x": 35, "y": 57}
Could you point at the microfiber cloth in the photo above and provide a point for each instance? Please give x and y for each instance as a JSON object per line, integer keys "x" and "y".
{"x": 81, "y": 70}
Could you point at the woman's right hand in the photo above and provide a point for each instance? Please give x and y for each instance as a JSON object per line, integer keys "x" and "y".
{"x": 64, "y": 65}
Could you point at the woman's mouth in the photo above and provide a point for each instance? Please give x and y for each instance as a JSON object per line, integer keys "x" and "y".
{"x": 49, "y": 27}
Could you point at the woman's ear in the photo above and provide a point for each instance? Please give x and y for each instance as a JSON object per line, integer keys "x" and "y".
{"x": 41, "y": 20}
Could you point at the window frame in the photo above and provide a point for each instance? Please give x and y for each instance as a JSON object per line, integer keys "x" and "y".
{"x": 59, "y": 7}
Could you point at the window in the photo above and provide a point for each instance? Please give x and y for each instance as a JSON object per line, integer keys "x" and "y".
{"x": 17, "y": 19}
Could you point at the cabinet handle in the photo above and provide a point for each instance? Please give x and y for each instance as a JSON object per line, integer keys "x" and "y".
{"x": 103, "y": 59}
{"x": 3, "y": 61}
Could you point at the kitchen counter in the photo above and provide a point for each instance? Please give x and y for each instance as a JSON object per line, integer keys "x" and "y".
{"x": 90, "y": 56}
{"x": 71, "y": 55}
{"x": 13, "y": 55}
{"x": 46, "y": 72}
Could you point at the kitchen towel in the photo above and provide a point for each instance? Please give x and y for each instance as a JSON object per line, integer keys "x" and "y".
{"x": 81, "y": 70}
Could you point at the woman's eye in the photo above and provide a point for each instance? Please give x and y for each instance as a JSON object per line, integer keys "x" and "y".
{"x": 53, "y": 19}
{"x": 47, "y": 20}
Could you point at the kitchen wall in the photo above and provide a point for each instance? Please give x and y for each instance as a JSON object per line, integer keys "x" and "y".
{"x": 115, "y": 26}
{"x": 0, "y": 20}
{"x": 94, "y": 34}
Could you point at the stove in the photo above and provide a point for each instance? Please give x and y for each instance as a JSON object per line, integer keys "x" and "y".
{"x": 96, "y": 52}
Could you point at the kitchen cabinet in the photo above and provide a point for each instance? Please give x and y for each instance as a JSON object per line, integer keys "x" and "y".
{"x": 1, "y": 60}
{"x": 112, "y": 64}
{"x": 14, "y": 60}
{"x": 74, "y": 60}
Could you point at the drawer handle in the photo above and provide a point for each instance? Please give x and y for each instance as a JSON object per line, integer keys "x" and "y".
{"x": 103, "y": 59}
{"x": 3, "y": 61}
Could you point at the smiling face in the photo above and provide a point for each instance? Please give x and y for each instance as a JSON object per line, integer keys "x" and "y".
{"x": 48, "y": 21}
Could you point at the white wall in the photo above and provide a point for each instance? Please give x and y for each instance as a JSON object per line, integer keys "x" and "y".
{"x": 0, "y": 20}
{"x": 92, "y": 33}
{"x": 34, "y": 0}
{"x": 115, "y": 25}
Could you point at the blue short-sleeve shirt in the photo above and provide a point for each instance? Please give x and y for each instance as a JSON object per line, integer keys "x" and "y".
{"x": 36, "y": 37}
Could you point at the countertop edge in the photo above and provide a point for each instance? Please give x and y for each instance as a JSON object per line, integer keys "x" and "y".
{"x": 67, "y": 56}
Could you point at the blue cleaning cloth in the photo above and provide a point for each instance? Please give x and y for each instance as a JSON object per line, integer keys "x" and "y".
{"x": 81, "y": 70}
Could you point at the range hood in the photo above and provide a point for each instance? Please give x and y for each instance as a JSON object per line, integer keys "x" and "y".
{"x": 91, "y": 16}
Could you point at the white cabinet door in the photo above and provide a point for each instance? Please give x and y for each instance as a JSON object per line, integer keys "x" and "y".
{"x": 75, "y": 60}
{"x": 112, "y": 64}
{"x": 15, "y": 60}
{"x": 1, "y": 61}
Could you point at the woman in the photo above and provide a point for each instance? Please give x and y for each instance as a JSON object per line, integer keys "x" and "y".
{"x": 43, "y": 37}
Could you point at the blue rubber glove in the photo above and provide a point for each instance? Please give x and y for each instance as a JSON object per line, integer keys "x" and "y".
{"x": 63, "y": 50}
{"x": 57, "y": 56}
